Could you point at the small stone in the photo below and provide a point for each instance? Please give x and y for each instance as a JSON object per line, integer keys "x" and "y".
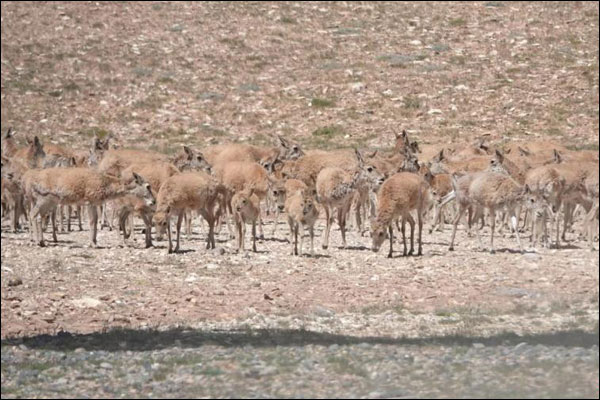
{"x": 268, "y": 371}
{"x": 357, "y": 86}
{"x": 15, "y": 282}
{"x": 478, "y": 345}
{"x": 105, "y": 365}
{"x": 324, "y": 312}
{"x": 434, "y": 111}
{"x": 86, "y": 302}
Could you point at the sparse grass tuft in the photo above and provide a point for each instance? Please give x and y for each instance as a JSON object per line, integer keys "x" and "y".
{"x": 321, "y": 103}
{"x": 94, "y": 131}
{"x": 411, "y": 102}
{"x": 71, "y": 86}
{"x": 457, "y": 22}
{"x": 345, "y": 366}
{"x": 328, "y": 131}
{"x": 288, "y": 20}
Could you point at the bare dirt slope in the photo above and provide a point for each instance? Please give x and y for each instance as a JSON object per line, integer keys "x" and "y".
{"x": 126, "y": 321}
{"x": 172, "y": 73}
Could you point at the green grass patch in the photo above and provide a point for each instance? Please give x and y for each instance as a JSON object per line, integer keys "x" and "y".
{"x": 458, "y": 60}
{"x": 401, "y": 60}
{"x": 345, "y": 366}
{"x": 94, "y": 131}
{"x": 411, "y": 102}
{"x": 457, "y": 22}
{"x": 328, "y": 131}
{"x": 554, "y": 131}
{"x": 287, "y": 20}
{"x": 249, "y": 87}
{"x": 210, "y": 130}
{"x": 211, "y": 372}
{"x": 346, "y": 31}
{"x": 142, "y": 72}
{"x": 166, "y": 78}
{"x": 151, "y": 102}
{"x": 586, "y": 146}
{"x": 234, "y": 42}
{"x": 318, "y": 102}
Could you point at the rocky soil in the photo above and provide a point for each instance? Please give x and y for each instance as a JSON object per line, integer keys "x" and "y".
{"x": 126, "y": 321}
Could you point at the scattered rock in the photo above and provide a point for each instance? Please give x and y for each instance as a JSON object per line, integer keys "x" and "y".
{"x": 86, "y": 302}
{"x": 323, "y": 312}
{"x": 15, "y": 282}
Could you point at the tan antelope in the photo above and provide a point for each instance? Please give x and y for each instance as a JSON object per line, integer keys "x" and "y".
{"x": 398, "y": 196}
{"x": 246, "y": 209}
{"x": 189, "y": 191}
{"x": 335, "y": 190}
{"x": 302, "y": 213}
{"x": 77, "y": 186}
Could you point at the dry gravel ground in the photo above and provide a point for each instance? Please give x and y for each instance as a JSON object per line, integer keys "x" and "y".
{"x": 347, "y": 323}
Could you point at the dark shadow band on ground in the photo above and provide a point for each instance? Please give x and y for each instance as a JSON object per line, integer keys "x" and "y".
{"x": 147, "y": 340}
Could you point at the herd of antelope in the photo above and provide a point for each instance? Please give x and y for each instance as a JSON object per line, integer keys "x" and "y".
{"x": 521, "y": 186}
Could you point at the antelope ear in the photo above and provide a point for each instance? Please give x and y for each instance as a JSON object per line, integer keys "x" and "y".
{"x": 283, "y": 141}
{"x": 415, "y": 147}
{"x": 440, "y": 156}
{"x": 8, "y": 133}
{"x": 557, "y": 157}
{"x": 499, "y": 155}
{"x": 138, "y": 179}
{"x": 527, "y": 189}
{"x": 189, "y": 152}
{"x": 405, "y": 138}
{"x": 359, "y": 157}
{"x": 483, "y": 145}
{"x": 36, "y": 141}
{"x": 524, "y": 152}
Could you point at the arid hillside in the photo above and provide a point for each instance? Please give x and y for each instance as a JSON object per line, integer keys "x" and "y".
{"x": 330, "y": 74}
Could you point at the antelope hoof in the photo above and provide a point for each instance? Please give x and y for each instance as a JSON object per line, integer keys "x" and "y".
{"x": 451, "y": 248}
